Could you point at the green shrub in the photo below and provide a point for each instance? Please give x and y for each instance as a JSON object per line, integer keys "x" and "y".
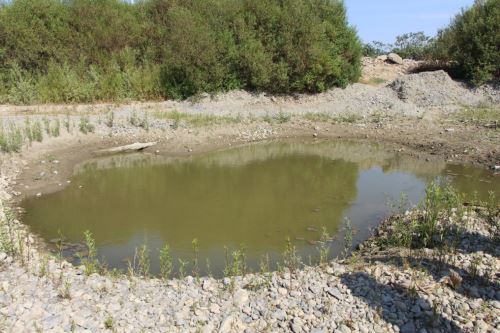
{"x": 11, "y": 139}
{"x": 413, "y": 45}
{"x": 472, "y": 42}
{"x": 85, "y": 50}
{"x": 62, "y": 84}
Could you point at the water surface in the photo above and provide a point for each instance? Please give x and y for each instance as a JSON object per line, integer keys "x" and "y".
{"x": 255, "y": 196}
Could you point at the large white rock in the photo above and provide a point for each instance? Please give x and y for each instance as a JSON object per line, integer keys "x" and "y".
{"x": 393, "y": 57}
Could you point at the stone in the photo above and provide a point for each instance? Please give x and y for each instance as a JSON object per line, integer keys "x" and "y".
{"x": 240, "y": 297}
{"x": 382, "y": 58}
{"x": 214, "y": 308}
{"x": 395, "y": 58}
{"x": 409, "y": 327}
{"x": 335, "y": 293}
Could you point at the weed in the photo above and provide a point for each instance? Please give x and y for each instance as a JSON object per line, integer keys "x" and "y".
{"x": 347, "y": 118}
{"x": 44, "y": 263}
{"x": 318, "y": 117}
{"x": 324, "y": 247}
{"x": 196, "y": 120}
{"x": 27, "y": 130}
{"x": 484, "y": 116}
{"x": 134, "y": 119}
{"x": 375, "y": 81}
{"x": 196, "y": 269}
{"x": 64, "y": 291}
{"x": 46, "y": 124}
{"x": 109, "y": 323}
{"x": 67, "y": 123}
{"x": 290, "y": 257}
{"x": 182, "y": 268}
{"x": 110, "y": 119}
{"x": 165, "y": 262}
{"x": 438, "y": 198}
{"x": 473, "y": 268}
{"x": 56, "y": 129}
{"x": 85, "y": 125}
{"x": 348, "y": 236}
{"x": 209, "y": 268}
{"x": 37, "y": 131}
{"x": 235, "y": 263}
{"x": 264, "y": 264}
{"x": 11, "y": 140}
{"x": 145, "y": 122}
{"x": 143, "y": 261}
{"x": 282, "y": 117}
{"x": 91, "y": 263}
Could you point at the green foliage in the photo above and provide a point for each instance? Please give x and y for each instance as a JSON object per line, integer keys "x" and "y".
{"x": 11, "y": 139}
{"x": 472, "y": 42}
{"x": 90, "y": 263}
{"x": 375, "y": 49}
{"x": 165, "y": 262}
{"x": 85, "y": 125}
{"x": 413, "y": 45}
{"x": 291, "y": 258}
{"x": 85, "y": 50}
{"x": 235, "y": 262}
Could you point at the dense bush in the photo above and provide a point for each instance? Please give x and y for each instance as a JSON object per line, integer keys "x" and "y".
{"x": 472, "y": 42}
{"x": 86, "y": 50}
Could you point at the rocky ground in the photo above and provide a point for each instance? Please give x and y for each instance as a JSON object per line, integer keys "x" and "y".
{"x": 383, "y": 290}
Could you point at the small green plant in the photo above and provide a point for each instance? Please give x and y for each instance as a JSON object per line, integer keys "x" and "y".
{"x": 235, "y": 262}
{"x": 324, "y": 247}
{"x": 37, "y": 131}
{"x": 44, "y": 264}
{"x": 64, "y": 292}
{"x": 91, "y": 263}
{"x": 318, "y": 117}
{"x": 85, "y": 125}
{"x": 11, "y": 140}
{"x": 56, "y": 129}
{"x": 182, "y": 268}
{"x": 67, "y": 123}
{"x": 110, "y": 119}
{"x": 134, "y": 119}
{"x": 109, "y": 323}
{"x": 264, "y": 264}
{"x": 196, "y": 268}
{"x": 347, "y": 118}
{"x": 28, "y": 130}
{"x": 290, "y": 257}
{"x": 209, "y": 267}
{"x": 282, "y": 117}
{"x": 348, "y": 237}
{"x": 144, "y": 123}
{"x": 46, "y": 124}
{"x": 143, "y": 261}
{"x": 165, "y": 262}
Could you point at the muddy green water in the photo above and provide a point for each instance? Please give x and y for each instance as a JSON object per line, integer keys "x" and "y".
{"x": 255, "y": 196}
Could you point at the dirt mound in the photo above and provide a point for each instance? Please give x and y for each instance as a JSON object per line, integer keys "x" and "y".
{"x": 429, "y": 89}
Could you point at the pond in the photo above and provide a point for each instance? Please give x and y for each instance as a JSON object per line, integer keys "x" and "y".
{"x": 253, "y": 197}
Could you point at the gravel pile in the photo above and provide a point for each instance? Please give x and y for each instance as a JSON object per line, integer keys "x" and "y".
{"x": 408, "y": 95}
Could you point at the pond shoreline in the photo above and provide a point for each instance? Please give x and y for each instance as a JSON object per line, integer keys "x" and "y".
{"x": 38, "y": 292}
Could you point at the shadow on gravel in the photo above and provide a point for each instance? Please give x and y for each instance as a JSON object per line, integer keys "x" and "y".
{"x": 397, "y": 305}
{"x": 480, "y": 243}
{"x": 472, "y": 286}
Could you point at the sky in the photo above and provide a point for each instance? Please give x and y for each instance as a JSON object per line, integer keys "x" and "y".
{"x": 383, "y": 20}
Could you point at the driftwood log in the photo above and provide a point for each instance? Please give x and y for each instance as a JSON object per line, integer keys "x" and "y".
{"x": 137, "y": 146}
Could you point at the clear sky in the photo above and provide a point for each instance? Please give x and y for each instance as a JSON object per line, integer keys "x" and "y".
{"x": 383, "y": 20}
